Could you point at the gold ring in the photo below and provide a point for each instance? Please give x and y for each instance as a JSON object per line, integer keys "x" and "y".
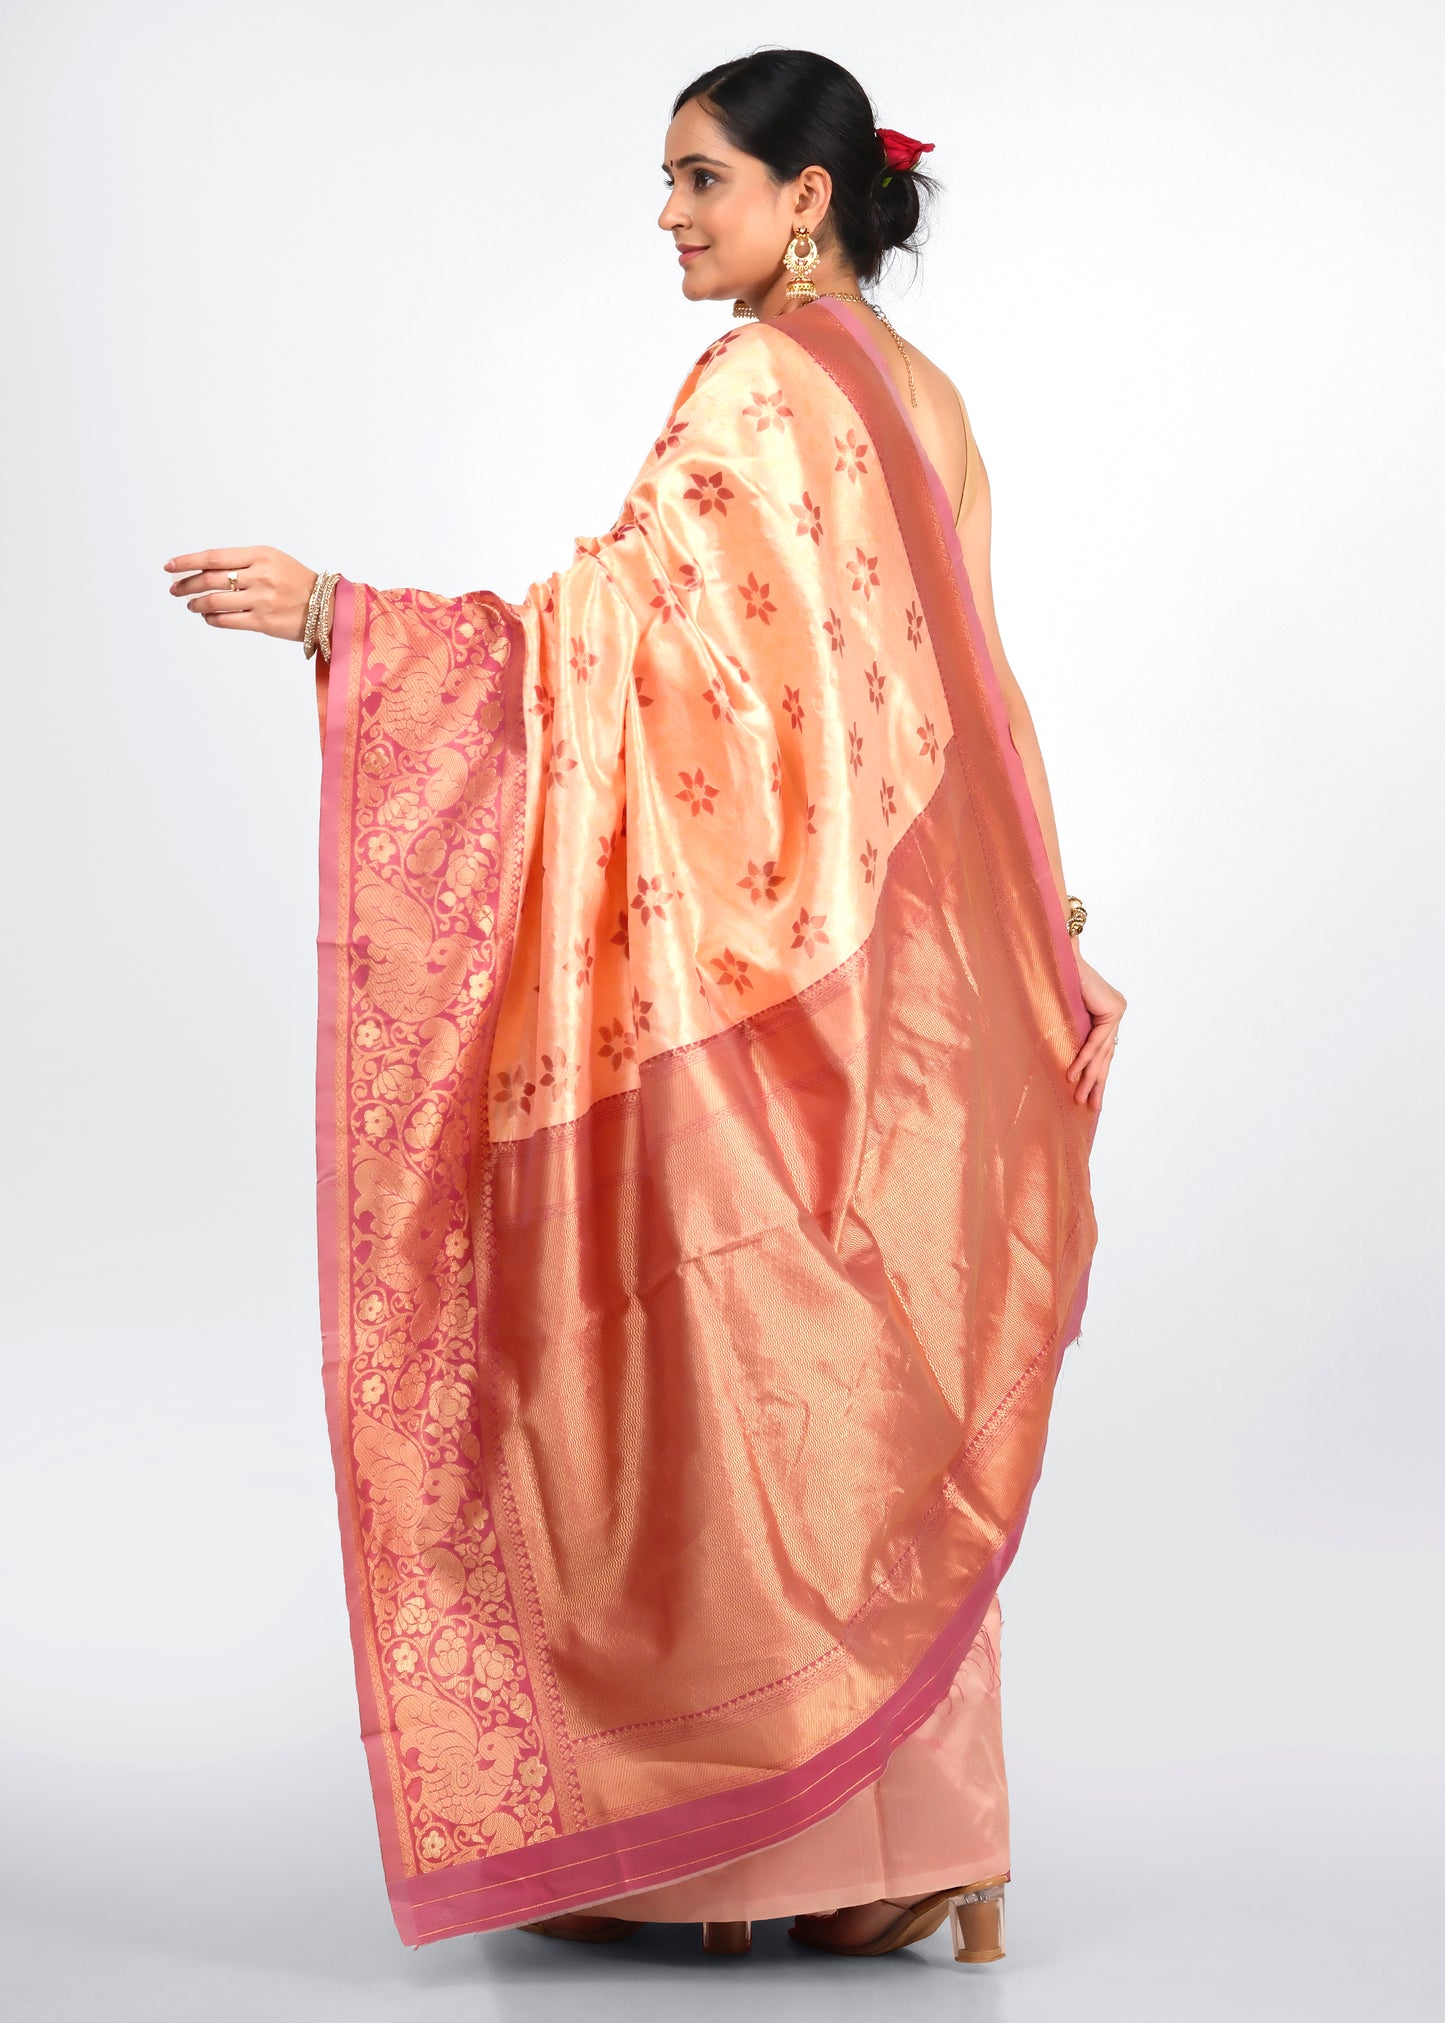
{"x": 231, "y": 579}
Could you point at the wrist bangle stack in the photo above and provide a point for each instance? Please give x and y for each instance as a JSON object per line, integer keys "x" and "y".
{"x": 1076, "y": 916}
{"x": 317, "y": 633}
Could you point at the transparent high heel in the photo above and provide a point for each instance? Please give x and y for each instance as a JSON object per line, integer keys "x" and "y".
{"x": 974, "y": 1911}
{"x": 734, "y": 1935}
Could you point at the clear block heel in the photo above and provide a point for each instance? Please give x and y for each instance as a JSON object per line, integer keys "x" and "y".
{"x": 975, "y": 1919}
{"x": 731, "y": 1935}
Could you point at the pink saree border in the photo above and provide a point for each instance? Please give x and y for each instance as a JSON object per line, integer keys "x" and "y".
{"x": 894, "y": 434}
{"x": 338, "y": 750}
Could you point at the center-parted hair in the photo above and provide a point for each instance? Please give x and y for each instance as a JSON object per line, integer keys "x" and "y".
{"x": 790, "y": 107}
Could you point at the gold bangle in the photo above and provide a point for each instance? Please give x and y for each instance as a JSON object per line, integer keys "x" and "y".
{"x": 313, "y": 612}
{"x": 1077, "y": 916}
{"x": 327, "y": 609}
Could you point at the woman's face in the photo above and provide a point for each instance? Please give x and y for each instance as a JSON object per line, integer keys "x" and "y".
{"x": 727, "y": 207}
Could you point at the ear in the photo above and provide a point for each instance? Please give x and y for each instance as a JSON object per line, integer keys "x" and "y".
{"x": 813, "y": 195}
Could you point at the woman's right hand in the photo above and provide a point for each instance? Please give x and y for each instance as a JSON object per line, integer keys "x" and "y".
{"x": 1089, "y": 1069}
{"x": 272, "y": 593}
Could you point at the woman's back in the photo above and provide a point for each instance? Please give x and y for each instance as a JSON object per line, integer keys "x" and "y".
{"x": 946, "y": 433}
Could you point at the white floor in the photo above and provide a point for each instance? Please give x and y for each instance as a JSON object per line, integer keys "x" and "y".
{"x": 1289, "y": 1887}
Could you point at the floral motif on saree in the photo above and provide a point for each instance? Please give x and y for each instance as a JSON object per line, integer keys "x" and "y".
{"x": 703, "y": 1208}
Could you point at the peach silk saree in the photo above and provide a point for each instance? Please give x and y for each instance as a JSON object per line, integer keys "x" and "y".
{"x": 703, "y": 1208}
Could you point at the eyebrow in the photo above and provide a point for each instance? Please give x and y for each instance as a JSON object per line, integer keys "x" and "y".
{"x": 688, "y": 161}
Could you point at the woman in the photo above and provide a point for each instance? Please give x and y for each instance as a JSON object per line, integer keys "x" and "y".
{"x": 707, "y": 1074}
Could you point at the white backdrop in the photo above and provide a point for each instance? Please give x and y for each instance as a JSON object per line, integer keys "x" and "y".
{"x": 385, "y": 288}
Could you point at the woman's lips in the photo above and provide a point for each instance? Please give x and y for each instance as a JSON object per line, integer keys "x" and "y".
{"x": 686, "y": 253}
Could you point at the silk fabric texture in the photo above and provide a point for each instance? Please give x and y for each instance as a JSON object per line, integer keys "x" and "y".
{"x": 703, "y": 1210}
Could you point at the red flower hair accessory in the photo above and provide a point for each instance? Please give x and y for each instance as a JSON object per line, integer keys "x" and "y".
{"x": 900, "y": 151}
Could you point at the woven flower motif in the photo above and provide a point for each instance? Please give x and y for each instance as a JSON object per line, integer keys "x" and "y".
{"x": 768, "y": 409}
{"x": 755, "y": 596}
{"x": 852, "y": 455}
{"x": 761, "y": 880}
{"x": 709, "y": 492}
{"x": 732, "y": 969}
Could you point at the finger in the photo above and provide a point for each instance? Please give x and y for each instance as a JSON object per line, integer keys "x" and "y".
{"x": 1098, "y": 1076}
{"x": 221, "y": 600}
{"x": 213, "y": 558}
{"x": 1092, "y": 1079}
{"x": 219, "y": 579}
{"x": 232, "y": 621}
{"x": 207, "y": 579}
{"x": 1087, "y": 1053}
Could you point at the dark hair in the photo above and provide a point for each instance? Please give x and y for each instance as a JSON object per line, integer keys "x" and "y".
{"x": 790, "y": 107}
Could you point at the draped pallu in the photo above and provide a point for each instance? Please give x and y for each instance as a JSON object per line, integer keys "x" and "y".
{"x": 703, "y": 1207}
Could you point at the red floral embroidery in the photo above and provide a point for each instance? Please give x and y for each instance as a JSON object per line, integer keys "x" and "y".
{"x": 697, "y": 793}
{"x": 928, "y": 738}
{"x": 666, "y": 600}
{"x": 915, "y": 625}
{"x": 617, "y": 1043}
{"x": 865, "y": 573}
{"x": 690, "y": 576}
{"x": 670, "y": 437}
{"x": 777, "y": 774}
{"x": 514, "y": 1091}
{"x": 643, "y": 700}
{"x": 607, "y": 844}
{"x": 768, "y": 408}
{"x": 731, "y": 969}
{"x": 833, "y": 626}
{"x": 758, "y": 602}
{"x": 620, "y": 937}
{"x": 583, "y": 662}
{"x": 868, "y": 858}
{"x": 810, "y": 518}
{"x": 710, "y": 492}
{"x": 641, "y": 1006}
{"x": 808, "y": 930}
{"x": 851, "y": 454}
{"x": 876, "y": 682}
{"x": 761, "y": 879}
{"x": 717, "y": 695}
{"x": 733, "y": 661}
{"x": 793, "y": 704}
{"x": 559, "y": 1075}
{"x": 885, "y": 800}
{"x": 583, "y": 951}
{"x": 651, "y": 896}
{"x": 559, "y": 765}
{"x": 855, "y": 749}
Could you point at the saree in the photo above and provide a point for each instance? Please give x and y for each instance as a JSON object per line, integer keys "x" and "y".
{"x": 703, "y": 1210}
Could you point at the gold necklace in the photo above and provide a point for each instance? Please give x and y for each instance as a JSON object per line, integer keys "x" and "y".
{"x": 843, "y": 295}
{"x": 742, "y": 308}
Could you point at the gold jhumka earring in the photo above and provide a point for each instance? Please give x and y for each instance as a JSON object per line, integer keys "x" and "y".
{"x": 800, "y": 258}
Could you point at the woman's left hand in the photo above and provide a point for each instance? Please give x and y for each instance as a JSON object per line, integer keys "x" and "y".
{"x": 1090, "y": 1066}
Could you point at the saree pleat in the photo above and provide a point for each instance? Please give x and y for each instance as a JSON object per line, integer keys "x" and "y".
{"x": 703, "y": 1210}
